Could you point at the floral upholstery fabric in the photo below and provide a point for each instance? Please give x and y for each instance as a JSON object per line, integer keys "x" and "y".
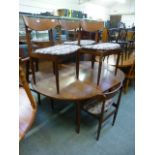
{"x": 103, "y": 46}
{"x": 82, "y": 42}
{"x": 95, "y": 107}
{"x": 58, "y": 49}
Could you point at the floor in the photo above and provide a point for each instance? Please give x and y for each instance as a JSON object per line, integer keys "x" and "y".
{"x": 53, "y": 132}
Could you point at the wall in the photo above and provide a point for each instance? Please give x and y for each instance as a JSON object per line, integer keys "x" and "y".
{"x": 97, "y": 9}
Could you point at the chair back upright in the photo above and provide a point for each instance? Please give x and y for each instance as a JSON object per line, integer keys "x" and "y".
{"x": 39, "y": 24}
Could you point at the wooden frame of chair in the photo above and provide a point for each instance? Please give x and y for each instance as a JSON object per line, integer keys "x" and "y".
{"x": 89, "y": 26}
{"x": 26, "y": 123}
{"x": 104, "y": 97}
{"x": 40, "y": 24}
{"x": 101, "y": 54}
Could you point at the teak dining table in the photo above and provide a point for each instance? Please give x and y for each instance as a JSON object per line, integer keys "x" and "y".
{"x": 73, "y": 89}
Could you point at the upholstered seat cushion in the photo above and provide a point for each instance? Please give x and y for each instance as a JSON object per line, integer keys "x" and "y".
{"x": 95, "y": 107}
{"x": 103, "y": 46}
{"x": 58, "y": 49}
{"x": 82, "y": 42}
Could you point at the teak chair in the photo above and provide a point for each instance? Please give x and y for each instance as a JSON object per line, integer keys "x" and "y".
{"x": 53, "y": 52}
{"x": 99, "y": 49}
{"x": 27, "y": 106}
{"x": 104, "y": 106}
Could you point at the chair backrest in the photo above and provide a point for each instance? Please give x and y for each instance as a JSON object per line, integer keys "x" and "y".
{"x": 91, "y": 26}
{"x": 39, "y": 24}
{"x": 122, "y": 34}
{"x": 113, "y": 34}
{"x": 71, "y": 27}
{"x": 111, "y": 94}
{"x": 105, "y": 35}
{"x": 113, "y": 91}
{"x": 69, "y": 24}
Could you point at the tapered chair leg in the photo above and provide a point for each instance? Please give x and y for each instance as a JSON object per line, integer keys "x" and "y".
{"x": 33, "y": 70}
{"x": 37, "y": 64}
{"x": 99, "y": 70}
{"x": 117, "y": 106}
{"x": 27, "y": 70}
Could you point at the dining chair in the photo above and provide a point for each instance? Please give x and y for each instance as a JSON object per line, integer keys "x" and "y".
{"x": 27, "y": 106}
{"x": 53, "y": 52}
{"x": 98, "y": 49}
{"x": 104, "y": 106}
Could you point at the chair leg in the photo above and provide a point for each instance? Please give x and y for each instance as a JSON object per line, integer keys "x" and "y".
{"x": 99, "y": 70}
{"x": 37, "y": 64}
{"x": 126, "y": 85}
{"x": 33, "y": 70}
{"x": 27, "y": 70}
{"x": 53, "y": 68}
{"x": 99, "y": 129}
{"x": 117, "y": 106}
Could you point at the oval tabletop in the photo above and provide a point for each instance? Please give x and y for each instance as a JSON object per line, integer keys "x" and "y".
{"x": 26, "y": 113}
{"x": 70, "y": 87}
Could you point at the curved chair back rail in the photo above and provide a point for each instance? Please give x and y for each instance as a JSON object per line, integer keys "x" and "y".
{"x": 40, "y": 24}
{"x": 69, "y": 25}
{"x": 91, "y": 26}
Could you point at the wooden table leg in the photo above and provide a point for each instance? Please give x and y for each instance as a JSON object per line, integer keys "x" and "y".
{"x": 57, "y": 76}
{"x": 77, "y": 65}
{"x": 78, "y": 119}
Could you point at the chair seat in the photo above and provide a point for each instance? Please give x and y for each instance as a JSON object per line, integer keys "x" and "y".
{"x": 103, "y": 46}
{"x": 58, "y": 49}
{"x": 82, "y": 42}
{"x": 95, "y": 107}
